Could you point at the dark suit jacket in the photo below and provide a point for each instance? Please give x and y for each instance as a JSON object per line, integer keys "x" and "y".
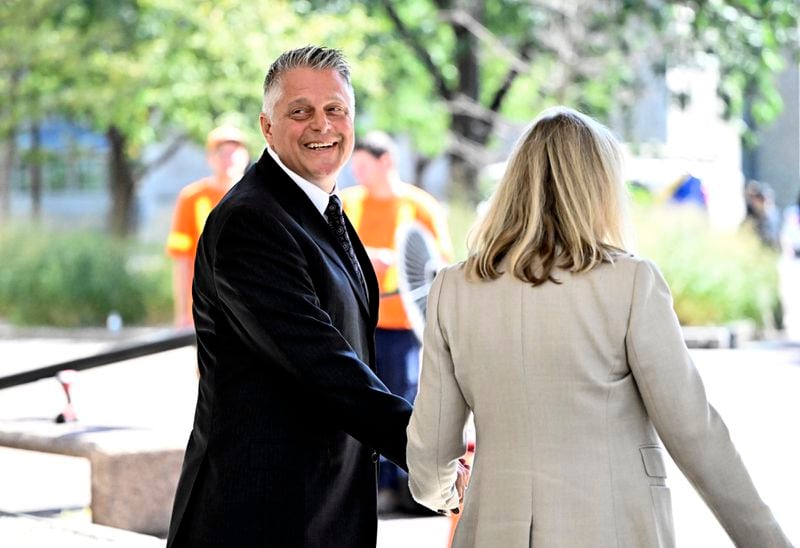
{"x": 290, "y": 413}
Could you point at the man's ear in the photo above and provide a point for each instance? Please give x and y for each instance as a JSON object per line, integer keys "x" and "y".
{"x": 266, "y": 127}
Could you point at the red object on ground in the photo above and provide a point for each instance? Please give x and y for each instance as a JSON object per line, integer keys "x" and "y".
{"x": 67, "y": 379}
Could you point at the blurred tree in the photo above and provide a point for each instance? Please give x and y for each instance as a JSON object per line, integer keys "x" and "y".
{"x": 454, "y": 67}
{"x": 147, "y": 71}
{"x": 29, "y": 52}
{"x": 449, "y": 72}
{"x": 143, "y": 72}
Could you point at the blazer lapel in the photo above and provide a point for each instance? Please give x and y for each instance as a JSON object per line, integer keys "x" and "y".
{"x": 316, "y": 225}
{"x": 310, "y": 218}
{"x": 373, "y": 291}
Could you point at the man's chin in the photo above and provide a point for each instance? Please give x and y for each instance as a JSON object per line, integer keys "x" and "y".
{"x": 324, "y": 178}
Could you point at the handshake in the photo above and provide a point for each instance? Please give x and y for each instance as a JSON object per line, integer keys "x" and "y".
{"x": 462, "y": 481}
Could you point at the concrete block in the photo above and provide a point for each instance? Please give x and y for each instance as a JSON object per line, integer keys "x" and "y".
{"x": 134, "y": 471}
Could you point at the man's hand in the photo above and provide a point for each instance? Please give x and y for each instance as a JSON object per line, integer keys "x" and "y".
{"x": 462, "y": 481}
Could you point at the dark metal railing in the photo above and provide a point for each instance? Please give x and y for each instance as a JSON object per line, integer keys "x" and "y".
{"x": 126, "y": 351}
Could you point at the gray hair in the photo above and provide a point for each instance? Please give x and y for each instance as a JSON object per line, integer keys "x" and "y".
{"x": 313, "y": 57}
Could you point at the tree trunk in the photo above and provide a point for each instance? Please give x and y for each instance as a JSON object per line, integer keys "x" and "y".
{"x": 750, "y": 164}
{"x": 9, "y": 159}
{"x": 470, "y": 131}
{"x": 421, "y": 163}
{"x": 35, "y": 171}
{"x": 10, "y": 148}
{"x": 121, "y": 184}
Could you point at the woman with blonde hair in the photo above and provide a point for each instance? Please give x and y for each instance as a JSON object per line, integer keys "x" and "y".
{"x": 568, "y": 353}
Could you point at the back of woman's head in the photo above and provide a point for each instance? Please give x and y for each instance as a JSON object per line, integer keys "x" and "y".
{"x": 560, "y": 203}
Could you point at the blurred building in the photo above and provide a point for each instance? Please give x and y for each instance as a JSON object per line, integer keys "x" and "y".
{"x": 776, "y": 158}
{"x": 73, "y": 166}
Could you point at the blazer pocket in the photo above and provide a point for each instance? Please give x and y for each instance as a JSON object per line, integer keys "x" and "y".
{"x": 653, "y": 460}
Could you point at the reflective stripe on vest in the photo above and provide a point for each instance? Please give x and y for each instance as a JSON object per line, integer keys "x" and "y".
{"x": 202, "y": 207}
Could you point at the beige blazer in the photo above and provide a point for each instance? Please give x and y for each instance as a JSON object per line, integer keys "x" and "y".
{"x": 574, "y": 387}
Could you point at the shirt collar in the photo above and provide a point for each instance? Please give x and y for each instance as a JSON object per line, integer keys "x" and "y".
{"x": 318, "y": 197}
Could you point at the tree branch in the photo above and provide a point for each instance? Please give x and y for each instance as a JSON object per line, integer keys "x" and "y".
{"x": 502, "y": 91}
{"x": 419, "y": 49}
{"x": 519, "y": 60}
{"x": 161, "y": 159}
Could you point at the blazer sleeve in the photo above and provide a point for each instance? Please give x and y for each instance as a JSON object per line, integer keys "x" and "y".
{"x": 268, "y": 297}
{"x": 436, "y": 432}
{"x": 692, "y": 431}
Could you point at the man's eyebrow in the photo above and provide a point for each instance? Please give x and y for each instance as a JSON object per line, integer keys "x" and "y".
{"x": 302, "y": 101}
{"x": 330, "y": 99}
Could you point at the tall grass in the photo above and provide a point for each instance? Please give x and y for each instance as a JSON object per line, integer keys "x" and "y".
{"x": 78, "y": 278}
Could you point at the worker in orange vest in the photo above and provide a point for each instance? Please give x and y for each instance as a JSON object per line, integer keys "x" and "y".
{"x": 376, "y": 207}
{"x": 228, "y": 158}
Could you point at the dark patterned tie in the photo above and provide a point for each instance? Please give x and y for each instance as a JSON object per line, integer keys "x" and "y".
{"x": 336, "y": 221}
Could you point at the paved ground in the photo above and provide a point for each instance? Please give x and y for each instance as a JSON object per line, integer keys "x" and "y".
{"x": 756, "y": 391}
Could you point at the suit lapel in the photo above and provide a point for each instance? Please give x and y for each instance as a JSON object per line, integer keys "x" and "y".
{"x": 366, "y": 268}
{"x": 303, "y": 211}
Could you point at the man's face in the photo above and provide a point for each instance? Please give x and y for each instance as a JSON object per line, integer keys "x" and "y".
{"x": 228, "y": 160}
{"x": 311, "y": 128}
{"x": 367, "y": 169}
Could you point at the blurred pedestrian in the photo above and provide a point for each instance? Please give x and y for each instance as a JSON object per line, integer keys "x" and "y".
{"x": 377, "y": 206}
{"x": 789, "y": 271}
{"x": 227, "y": 156}
{"x": 568, "y": 352}
{"x": 790, "y": 230}
{"x": 761, "y": 215}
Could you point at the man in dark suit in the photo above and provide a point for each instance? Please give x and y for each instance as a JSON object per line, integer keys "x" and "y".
{"x": 290, "y": 415}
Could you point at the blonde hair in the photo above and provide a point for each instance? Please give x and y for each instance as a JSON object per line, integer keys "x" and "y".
{"x": 560, "y": 204}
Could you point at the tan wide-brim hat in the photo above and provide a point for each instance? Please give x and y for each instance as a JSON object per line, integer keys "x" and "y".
{"x": 224, "y": 134}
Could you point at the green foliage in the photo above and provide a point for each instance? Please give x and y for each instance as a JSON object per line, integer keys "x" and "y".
{"x": 715, "y": 278}
{"x": 461, "y": 216}
{"x": 77, "y": 279}
{"x": 589, "y": 55}
{"x": 748, "y": 38}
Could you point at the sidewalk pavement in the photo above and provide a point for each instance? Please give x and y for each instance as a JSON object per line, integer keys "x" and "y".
{"x": 21, "y": 531}
{"x": 754, "y": 389}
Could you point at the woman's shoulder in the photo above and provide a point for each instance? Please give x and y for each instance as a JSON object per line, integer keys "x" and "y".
{"x": 448, "y": 273}
{"x": 626, "y": 268}
{"x": 453, "y": 267}
{"x": 623, "y": 259}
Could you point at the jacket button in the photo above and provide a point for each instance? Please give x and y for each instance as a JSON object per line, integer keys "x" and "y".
{"x": 374, "y": 456}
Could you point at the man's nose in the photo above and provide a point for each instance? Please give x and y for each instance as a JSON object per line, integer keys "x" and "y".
{"x": 319, "y": 121}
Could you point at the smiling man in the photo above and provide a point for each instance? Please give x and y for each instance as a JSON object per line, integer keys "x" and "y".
{"x": 290, "y": 415}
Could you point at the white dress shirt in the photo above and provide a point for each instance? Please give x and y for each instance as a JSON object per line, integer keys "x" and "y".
{"x": 318, "y": 197}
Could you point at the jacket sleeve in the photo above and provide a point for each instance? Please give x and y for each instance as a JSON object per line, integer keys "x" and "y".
{"x": 692, "y": 431}
{"x": 267, "y": 296}
{"x": 436, "y": 432}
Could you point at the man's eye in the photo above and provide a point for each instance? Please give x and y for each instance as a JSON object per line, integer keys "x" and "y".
{"x": 298, "y": 112}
